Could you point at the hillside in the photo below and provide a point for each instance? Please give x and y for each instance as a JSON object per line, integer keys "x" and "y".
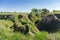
{"x": 36, "y": 25}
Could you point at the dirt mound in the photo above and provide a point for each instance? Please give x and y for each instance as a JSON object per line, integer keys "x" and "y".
{"x": 50, "y": 23}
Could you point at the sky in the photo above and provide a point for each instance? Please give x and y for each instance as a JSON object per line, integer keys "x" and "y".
{"x": 27, "y": 5}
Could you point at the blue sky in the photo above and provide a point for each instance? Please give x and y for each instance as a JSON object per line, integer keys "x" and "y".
{"x": 27, "y": 5}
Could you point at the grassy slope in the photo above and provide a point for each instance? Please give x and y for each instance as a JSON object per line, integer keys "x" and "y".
{"x": 7, "y": 34}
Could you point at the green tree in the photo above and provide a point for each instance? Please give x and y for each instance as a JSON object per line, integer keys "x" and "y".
{"x": 45, "y": 11}
{"x": 34, "y": 10}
